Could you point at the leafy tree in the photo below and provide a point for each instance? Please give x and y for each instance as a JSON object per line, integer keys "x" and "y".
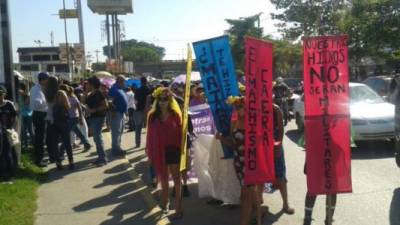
{"x": 239, "y": 29}
{"x": 98, "y": 66}
{"x": 372, "y": 25}
{"x": 287, "y": 57}
{"x": 300, "y": 18}
{"x": 373, "y": 28}
{"x": 138, "y": 52}
{"x": 140, "y": 55}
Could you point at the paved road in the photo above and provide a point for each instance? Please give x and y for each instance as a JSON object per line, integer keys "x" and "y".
{"x": 109, "y": 196}
{"x": 376, "y": 186}
{"x": 375, "y": 201}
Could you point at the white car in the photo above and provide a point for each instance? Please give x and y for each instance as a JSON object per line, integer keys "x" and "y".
{"x": 372, "y": 118}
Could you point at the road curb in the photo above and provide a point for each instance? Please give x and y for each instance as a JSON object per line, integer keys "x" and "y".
{"x": 154, "y": 209}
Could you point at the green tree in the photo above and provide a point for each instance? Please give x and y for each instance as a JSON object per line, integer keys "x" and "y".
{"x": 239, "y": 29}
{"x": 372, "y": 25}
{"x": 309, "y": 17}
{"x": 373, "y": 28}
{"x": 98, "y": 66}
{"x": 138, "y": 52}
{"x": 287, "y": 57}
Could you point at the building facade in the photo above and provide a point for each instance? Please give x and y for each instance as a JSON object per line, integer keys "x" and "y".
{"x": 37, "y": 59}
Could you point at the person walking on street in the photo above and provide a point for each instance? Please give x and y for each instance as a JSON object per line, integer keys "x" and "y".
{"x": 250, "y": 194}
{"x": 119, "y": 108}
{"x": 97, "y": 107}
{"x": 75, "y": 115}
{"x": 280, "y": 165}
{"x": 38, "y": 104}
{"x": 8, "y": 115}
{"x": 164, "y": 148}
{"x": 131, "y": 108}
{"x": 26, "y": 115}
{"x": 140, "y": 113}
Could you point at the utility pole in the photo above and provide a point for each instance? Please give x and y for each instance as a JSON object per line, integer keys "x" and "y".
{"x": 81, "y": 32}
{"x": 108, "y": 35}
{"x": 6, "y": 59}
{"x": 52, "y": 38}
{"x": 66, "y": 37}
{"x": 97, "y": 55}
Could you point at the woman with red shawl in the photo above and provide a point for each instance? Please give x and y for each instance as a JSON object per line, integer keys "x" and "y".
{"x": 164, "y": 137}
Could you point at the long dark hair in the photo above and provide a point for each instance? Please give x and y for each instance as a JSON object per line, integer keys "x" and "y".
{"x": 157, "y": 112}
{"x": 52, "y": 88}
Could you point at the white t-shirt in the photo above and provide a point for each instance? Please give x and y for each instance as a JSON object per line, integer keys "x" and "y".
{"x": 131, "y": 100}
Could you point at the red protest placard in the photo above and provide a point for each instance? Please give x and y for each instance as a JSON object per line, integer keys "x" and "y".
{"x": 327, "y": 115}
{"x": 259, "y": 142}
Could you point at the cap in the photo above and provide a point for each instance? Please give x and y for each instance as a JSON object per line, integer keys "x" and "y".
{"x": 43, "y": 76}
{"x": 3, "y": 90}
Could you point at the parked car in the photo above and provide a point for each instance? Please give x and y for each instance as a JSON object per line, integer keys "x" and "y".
{"x": 372, "y": 118}
{"x": 380, "y": 84}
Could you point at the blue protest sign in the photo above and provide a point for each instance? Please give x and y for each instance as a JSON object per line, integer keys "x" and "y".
{"x": 214, "y": 60}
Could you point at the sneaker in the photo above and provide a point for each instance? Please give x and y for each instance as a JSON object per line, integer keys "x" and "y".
{"x": 118, "y": 153}
{"x": 59, "y": 166}
{"x": 101, "y": 164}
{"x": 41, "y": 164}
{"x": 87, "y": 147}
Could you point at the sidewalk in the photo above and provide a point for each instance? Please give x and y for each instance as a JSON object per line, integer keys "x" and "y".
{"x": 89, "y": 195}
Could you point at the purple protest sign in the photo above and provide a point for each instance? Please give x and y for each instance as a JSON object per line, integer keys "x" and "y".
{"x": 202, "y": 119}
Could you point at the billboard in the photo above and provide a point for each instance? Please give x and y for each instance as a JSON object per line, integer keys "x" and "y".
{"x": 63, "y": 55}
{"x": 71, "y": 14}
{"x": 103, "y": 7}
{"x": 78, "y": 54}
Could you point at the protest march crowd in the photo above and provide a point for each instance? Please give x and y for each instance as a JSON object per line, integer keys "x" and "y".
{"x": 234, "y": 124}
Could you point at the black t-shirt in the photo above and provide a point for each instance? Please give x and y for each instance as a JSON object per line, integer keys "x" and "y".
{"x": 141, "y": 97}
{"x": 60, "y": 114}
{"x": 281, "y": 90}
{"x": 8, "y": 113}
{"x": 94, "y": 100}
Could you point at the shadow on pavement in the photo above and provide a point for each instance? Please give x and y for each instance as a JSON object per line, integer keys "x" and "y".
{"x": 55, "y": 174}
{"x": 395, "y": 208}
{"x": 373, "y": 150}
{"x": 129, "y": 204}
{"x": 293, "y": 135}
{"x": 199, "y": 211}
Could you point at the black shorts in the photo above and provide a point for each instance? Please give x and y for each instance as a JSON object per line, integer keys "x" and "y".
{"x": 172, "y": 157}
